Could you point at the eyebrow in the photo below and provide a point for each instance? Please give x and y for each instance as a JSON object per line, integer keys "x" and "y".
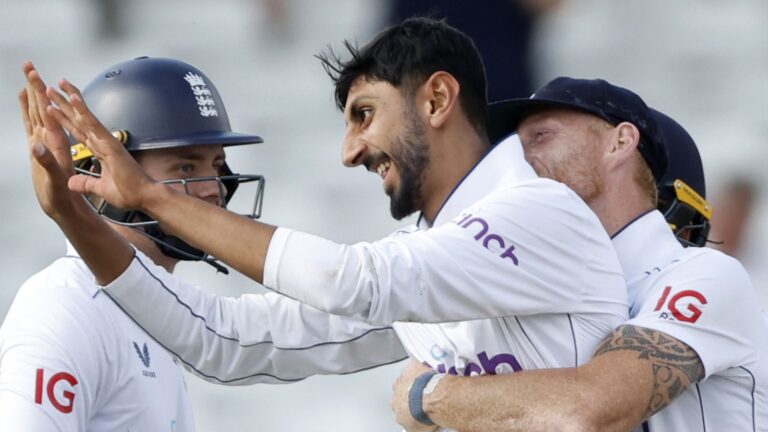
{"x": 353, "y": 105}
{"x": 197, "y": 156}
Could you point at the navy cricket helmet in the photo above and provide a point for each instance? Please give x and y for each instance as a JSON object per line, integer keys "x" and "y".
{"x": 155, "y": 103}
{"x": 682, "y": 189}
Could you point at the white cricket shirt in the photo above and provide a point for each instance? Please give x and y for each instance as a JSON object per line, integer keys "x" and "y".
{"x": 71, "y": 360}
{"x": 505, "y": 244}
{"x": 704, "y": 298}
{"x": 530, "y": 251}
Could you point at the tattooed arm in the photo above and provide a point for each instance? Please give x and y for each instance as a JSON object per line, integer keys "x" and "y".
{"x": 674, "y": 365}
{"x": 634, "y": 373}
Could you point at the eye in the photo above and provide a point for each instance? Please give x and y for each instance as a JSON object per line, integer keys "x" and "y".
{"x": 218, "y": 166}
{"x": 364, "y": 114}
{"x": 186, "y": 168}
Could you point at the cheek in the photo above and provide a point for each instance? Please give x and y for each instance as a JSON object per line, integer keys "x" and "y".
{"x": 541, "y": 160}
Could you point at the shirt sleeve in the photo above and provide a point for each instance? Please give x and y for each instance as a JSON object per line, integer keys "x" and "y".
{"x": 709, "y": 304}
{"x": 50, "y": 367}
{"x": 18, "y": 413}
{"x": 519, "y": 251}
{"x": 250, "y": 339}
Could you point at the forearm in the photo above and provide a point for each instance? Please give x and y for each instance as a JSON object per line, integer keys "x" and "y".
{"x": 240, "y": 242}
{"x": 594, "y": 397}
{"x": 105, "y": 251}
{"x": 519, "y": 402}
{"x": 249, "y": 339}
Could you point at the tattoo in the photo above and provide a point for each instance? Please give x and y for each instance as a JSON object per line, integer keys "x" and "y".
{"x": 675, "y": 365}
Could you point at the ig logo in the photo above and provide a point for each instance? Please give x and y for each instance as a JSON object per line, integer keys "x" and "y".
{"x": 689, "y": 298}
{"x": 66, "y": 405}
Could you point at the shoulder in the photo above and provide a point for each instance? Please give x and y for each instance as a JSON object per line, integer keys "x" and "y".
{"x": 59, "y": 306}
{"x": 707, "y": 267}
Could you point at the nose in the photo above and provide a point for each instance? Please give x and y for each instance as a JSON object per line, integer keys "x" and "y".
{"x": 353, "y": 150}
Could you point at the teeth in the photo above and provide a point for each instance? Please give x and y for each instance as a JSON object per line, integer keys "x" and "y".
{"x": 382, "y": 169}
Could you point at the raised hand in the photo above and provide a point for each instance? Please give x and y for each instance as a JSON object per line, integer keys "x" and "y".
{"x": 122, "y": 182}
{"x": 50, "y": 158}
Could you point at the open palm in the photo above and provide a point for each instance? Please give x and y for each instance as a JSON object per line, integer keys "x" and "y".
{"x": 121, "y": 181}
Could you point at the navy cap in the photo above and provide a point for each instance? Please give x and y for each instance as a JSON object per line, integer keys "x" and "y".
{"x": 597, "y": 97}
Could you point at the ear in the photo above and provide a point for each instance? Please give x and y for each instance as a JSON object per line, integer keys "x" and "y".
{"x": 624, "y": 141}
{"x": 440, "y": 95}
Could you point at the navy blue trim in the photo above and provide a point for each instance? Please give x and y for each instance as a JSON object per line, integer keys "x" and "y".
{"x": 630, "y": 223}
{"x": 754, "y": 384}
{"x": 646, "y": 428}
{"x": 456, "y": 186}
{"x": 234, "y": 380}
{"x": 234, "y": 339}
{"x": 243, "y": 378}
{"x": 575, "y": 347}
{"x": 701, "y": 408}
{"x": 526, "y": 336}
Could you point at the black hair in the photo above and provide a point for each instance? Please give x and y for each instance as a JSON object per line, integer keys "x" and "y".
{"x": 405, "y": 55}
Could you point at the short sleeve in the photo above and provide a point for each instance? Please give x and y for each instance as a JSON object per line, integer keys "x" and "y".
{"x": 48, "y": 359}
{"x": 708, "y": 303}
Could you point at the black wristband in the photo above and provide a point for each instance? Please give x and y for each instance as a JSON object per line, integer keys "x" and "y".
{"x": 416, "y": 398}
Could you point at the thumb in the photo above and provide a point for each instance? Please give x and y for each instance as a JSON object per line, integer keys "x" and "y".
{"x": 81, "y": 183}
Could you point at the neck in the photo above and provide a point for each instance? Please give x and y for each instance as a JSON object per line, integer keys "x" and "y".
{"x": 148, "y": 247}
{"x": 455, "y": 153}
{"x": 631, "y": 204}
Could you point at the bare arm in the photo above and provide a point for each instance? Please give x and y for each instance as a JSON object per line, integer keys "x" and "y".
{"x": 105, "y": 251}
{"x": 240, "y": 242}
{"x": 634, "y": 373}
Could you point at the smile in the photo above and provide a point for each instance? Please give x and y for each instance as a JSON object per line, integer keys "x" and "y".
{"x": 383, "y": 168}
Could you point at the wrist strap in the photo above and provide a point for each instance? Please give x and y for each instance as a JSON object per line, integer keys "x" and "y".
{"x": 416, "y": 395}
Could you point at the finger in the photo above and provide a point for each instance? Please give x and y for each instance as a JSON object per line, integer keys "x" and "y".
{"x": 77, "y": 121}
{"x": 44, "y": 157}
{"x": 69, "y": 88}
{"x": 32, "y": 112}
{"x": 24, "y": 106}
{"x": 60, "y": 150}
{"x": 64, "y": 121}
{"x": 99, "y": 139}
{"x": 41, "y": 99}
{"x": 83, "y": 183}
{"x": 27, "y": 66}
{"x": 61, "y": 102}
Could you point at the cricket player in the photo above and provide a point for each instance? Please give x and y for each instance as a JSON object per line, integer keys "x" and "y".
{"x": 694, "y": 354}
{"x": 70, "y": 360}
{"x": 493, "y": 240}
{"x": 267, "y": 343}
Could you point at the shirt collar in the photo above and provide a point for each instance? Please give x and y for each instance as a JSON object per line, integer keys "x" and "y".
{"x": 646, "y": 243}
{"x": 503, "y": 164}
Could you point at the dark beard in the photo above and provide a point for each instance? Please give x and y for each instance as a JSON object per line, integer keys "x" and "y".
{"x": 411, "y": 154}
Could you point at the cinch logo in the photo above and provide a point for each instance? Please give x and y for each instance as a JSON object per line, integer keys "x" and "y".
{"x": 144, "y": 356}
{"x": 493, "y": 242}
{"x": 487, "y": 365}
{"x": 68, "y": 403}
{"x": 692, "y": 312}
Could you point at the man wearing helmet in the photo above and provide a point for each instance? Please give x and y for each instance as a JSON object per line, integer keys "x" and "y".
{"x": 70, "y": 359}
{"x": 692, "y": 357}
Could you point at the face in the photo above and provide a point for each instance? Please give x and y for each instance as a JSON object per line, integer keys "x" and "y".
{"x": 565, "y": 145}
{"x": 185, "y": 163}
{"x": 385, "y": 134}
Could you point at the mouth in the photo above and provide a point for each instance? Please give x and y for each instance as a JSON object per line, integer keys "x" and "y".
{"x": 383, "y": 168}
